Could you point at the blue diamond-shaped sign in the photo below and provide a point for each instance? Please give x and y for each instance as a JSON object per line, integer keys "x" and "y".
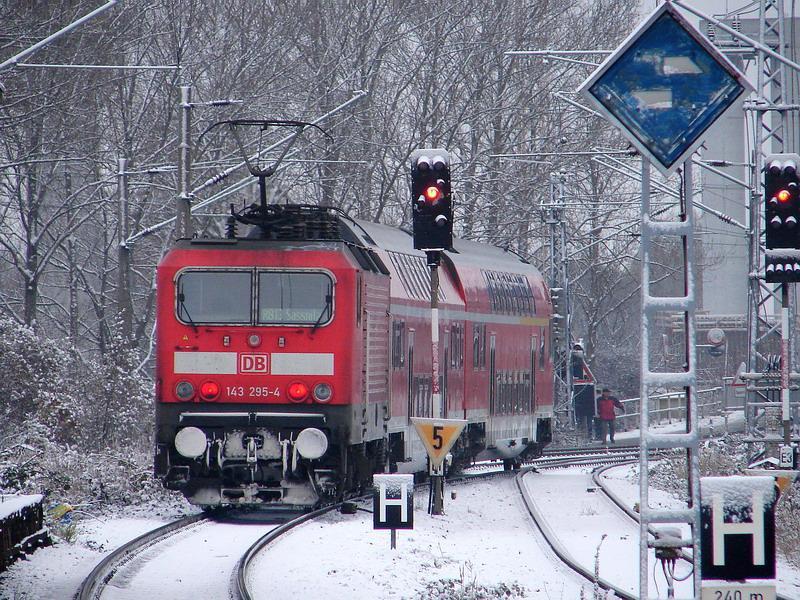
{"x": 664, "y": 86}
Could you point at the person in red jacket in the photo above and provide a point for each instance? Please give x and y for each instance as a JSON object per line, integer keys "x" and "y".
{"x": 605, "y": 412}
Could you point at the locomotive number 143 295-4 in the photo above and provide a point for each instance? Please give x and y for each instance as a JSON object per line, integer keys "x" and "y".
{"x": 252, "y": 391}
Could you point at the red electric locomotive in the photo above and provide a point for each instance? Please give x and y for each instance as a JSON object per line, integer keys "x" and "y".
{"x": 289, "y": 362}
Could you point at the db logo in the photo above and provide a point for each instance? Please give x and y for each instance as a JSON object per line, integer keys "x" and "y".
{"x": 253, "y": 363}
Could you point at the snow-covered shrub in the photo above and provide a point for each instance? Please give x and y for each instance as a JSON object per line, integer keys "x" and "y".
{"x": 37, "y": 386}
{"x": 78, "y": 430}
{"x": 453, "y": 589}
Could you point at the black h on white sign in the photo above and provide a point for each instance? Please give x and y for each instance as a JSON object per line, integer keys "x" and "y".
{"x": 737, "y": 520}
{"x": 393, "y": 502}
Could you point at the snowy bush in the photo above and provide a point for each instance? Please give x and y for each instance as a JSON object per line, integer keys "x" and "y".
{"x": 454, "y": 589}
{"x": 76, "y": 429}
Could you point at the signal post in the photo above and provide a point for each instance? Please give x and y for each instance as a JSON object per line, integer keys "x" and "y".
{"x": 432, "y": 215}
{"x": 782, "y": 264}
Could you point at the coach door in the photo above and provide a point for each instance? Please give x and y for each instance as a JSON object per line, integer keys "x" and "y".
{"x": 534, "y": 345}
{"x": 445, "y": 365}
{"x": 411, "y": 387}
{"x": 492, "y": 388}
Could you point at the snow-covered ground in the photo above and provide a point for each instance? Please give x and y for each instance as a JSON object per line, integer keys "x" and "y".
{"x": 485, "y": 538}
{"x": 55, "y": 572}
{"x": 588, "y": 525}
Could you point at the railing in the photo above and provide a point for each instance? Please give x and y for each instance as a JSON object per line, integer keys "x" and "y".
{"x": 671, "y": 407}
{"x": 734, "y": 393}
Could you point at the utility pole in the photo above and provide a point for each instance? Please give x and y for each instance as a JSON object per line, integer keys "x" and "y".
{"x": 769, "y": 334}
{"x": 561, "y": 347}
{"x": 124, "y": 301}
{"x": 183, "y": 203}
{"x": 72, "y": 273}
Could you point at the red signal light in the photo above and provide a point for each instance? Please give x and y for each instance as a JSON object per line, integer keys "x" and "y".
{"x": 784, "y": 195}
{"x": 297, "y": 391}
{"x": 209, "y": 390}
{"x": 432, "y": 193}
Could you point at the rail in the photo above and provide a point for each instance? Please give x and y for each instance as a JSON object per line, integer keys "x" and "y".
{"x": 560, "y": 551}
{"x": 239, "y": 588}
{"x": 92, "y": 587}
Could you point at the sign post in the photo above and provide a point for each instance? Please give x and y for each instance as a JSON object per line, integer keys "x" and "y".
{"x": 393, "y": 503}
{"x": 438, "y": 436}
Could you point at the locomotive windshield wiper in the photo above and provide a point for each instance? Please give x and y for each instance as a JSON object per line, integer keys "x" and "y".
{"x": 326, "y": 310}
{"x": 184, "y": 310}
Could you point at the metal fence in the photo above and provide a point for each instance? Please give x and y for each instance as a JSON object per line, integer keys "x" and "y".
{"x": 671, "y": 407}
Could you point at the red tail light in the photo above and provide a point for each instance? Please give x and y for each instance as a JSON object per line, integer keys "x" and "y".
{"x": 209, "y": 390}
{"x": 297, "y": 391}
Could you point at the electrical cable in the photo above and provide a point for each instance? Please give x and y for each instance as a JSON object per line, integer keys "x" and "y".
{"x": 683, "y": 578}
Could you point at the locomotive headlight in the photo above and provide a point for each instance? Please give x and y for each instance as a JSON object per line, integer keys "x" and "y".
{"x": 323, "y": 392}
{"x": 184, "y": 390}
{"x": 311, "y": 443}
{"x": 191, "y": 442}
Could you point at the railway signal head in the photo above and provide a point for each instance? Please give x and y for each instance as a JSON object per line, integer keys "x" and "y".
{"x": 431, "y": 200}
{"x": 781, "y": 218}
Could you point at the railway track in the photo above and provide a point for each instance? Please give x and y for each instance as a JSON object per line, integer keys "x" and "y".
{"x": 105, "y": 571}
{"x": 92, "y": 587}
{"x": 126, "y": 568}
{"x": 549, "y": 535}
{"x": 239, "y": 582}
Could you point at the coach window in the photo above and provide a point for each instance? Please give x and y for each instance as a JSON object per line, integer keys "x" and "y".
{"x": 478, "y": 346}
{"x": 294, "y": 298}
{"x": 457, "y": 346}
{"x": 214, "y": 297}
{"x": 542, "y": 349}
{"x": 398, "y": 345}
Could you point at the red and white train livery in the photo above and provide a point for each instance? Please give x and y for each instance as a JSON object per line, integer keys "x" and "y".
{"x": 290, "y": 362}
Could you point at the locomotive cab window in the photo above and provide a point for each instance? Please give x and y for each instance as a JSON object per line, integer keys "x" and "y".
{"x": 214, "y": 297}
{"x": 294, "y": 298}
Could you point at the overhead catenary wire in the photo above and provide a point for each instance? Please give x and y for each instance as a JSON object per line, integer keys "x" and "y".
{"x": 244, "y": 182}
